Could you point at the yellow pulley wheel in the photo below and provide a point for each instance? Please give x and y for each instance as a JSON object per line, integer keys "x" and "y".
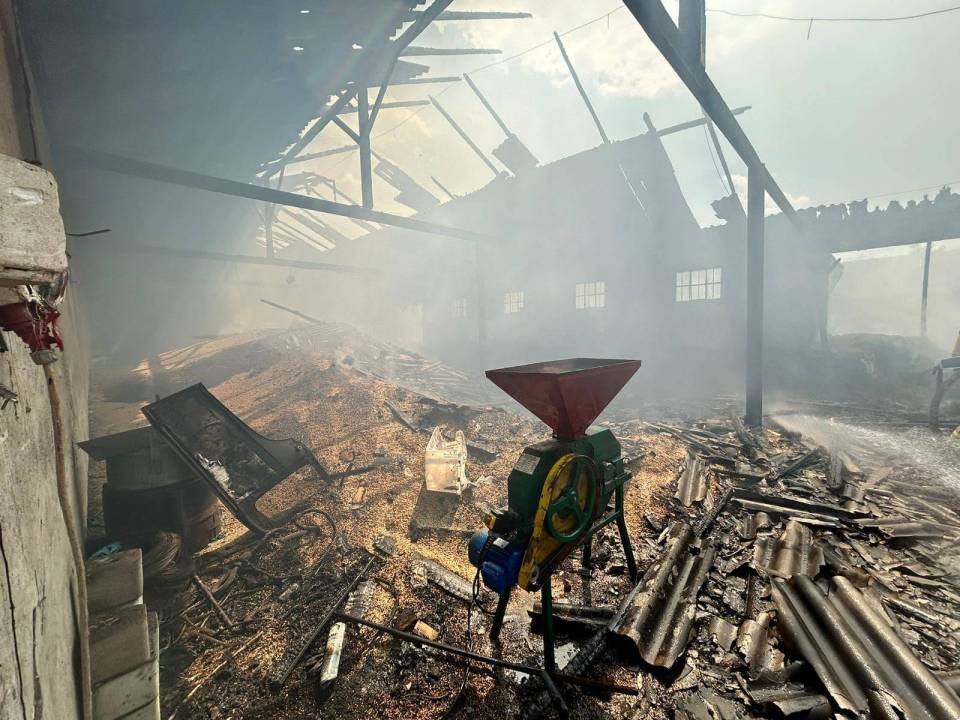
{"x": 565, "y": 513}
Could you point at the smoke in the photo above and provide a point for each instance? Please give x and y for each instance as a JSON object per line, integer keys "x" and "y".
{"x": 936, "y": 456}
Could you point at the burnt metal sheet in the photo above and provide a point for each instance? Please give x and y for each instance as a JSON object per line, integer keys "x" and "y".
{"x": 240, "y": 465}
{"x": 789, "y": 698}
{"x": 794, "y": 551}
{"x": 121, "y": 443}
{"x": 754, "y": 644}
{"x": 661, "y": 609}
{"x": 692, "y": 483}
{"x": 722, "y": 631}
{"x": 791, "y": 506}
{"x": 861, "y": 661}
{"x": 751, "y": 524}
{"x": 951, "y": 680}
{"x": 906, "y": 528}
{"x": 706, "y": 706}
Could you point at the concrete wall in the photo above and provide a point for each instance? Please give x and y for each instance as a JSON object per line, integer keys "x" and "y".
{"x": 38, "y": 627}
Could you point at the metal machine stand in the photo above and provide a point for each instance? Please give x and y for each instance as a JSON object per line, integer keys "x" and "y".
{"x": 546, "y": 591}
{"x": 546, "y": 600}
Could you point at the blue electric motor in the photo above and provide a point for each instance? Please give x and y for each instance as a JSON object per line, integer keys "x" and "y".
{"x": 501, "y": 563}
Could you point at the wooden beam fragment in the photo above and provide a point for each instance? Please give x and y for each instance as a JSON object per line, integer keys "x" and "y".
{"x": 185, "y": 178}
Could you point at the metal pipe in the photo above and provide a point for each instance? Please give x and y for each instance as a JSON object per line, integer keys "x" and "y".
{"x": 460, "y": 652}
{"x": 315, "y": 633}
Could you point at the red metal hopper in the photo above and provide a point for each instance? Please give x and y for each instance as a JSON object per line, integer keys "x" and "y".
{"x": 566, "y": 394}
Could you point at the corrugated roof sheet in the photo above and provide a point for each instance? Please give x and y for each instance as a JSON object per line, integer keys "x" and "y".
{"x": 864, "y": 665}
{"x": 692, "y": 483}
{"x": 794, "y": 551}
{"x": 662, "y": 607}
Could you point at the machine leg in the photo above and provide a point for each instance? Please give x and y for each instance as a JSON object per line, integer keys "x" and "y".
{"x": 625, "y": 537}
{"x": 587, "y": 553}
{"x": 546, "y": 600}
{"x": 498, "y": 615}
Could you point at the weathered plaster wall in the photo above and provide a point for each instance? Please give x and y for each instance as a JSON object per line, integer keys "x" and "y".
{"x": 38, "y": 637}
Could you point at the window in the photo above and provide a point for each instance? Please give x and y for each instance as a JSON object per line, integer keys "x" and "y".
{"x": 591, "y": 295}
{"x": 459, "y": 308}
{"x": 513, "y": 302}
{"x": 698, "y": 285}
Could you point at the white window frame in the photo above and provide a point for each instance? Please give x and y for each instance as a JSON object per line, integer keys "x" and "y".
{"x": 695, "y": 285}
{"x": 590, "y": 295}
{"x": 458, "y": 308}
{"x": 513, "y": 301}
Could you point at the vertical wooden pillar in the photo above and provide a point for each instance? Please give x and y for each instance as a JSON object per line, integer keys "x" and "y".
{"x": 926, "y": 286}
{"x": 754, "y": 356}
{"x": 366, "y": 172}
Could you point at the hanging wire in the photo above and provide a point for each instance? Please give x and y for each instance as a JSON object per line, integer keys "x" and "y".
{"x": 768, "y": 16}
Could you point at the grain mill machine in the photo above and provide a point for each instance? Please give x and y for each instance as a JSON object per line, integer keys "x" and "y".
{"x": 559, "y": 493}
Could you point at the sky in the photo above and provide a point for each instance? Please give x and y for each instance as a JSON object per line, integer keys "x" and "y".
{"x": 856, "y": 110}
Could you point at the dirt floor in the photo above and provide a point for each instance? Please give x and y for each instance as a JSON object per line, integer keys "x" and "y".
{"x": 330, "y": 389}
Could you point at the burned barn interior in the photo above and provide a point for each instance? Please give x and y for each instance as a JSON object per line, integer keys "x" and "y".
{"x": 464, "y": 358}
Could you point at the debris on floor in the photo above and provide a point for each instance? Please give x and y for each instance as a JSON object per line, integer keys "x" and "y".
{"x": 798, "y": 571}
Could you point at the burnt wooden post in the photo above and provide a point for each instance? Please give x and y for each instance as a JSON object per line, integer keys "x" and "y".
{"x": 755, "y": 199}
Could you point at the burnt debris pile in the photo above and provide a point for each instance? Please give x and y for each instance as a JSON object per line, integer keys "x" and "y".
{"x": 781, "y": 575}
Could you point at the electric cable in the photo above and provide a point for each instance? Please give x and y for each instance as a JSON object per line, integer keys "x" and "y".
{"x": 474, "y": 600}
{"x": 501, "y": 61}
{"x": 723, "y": 182}
{"x": 768, "y": 16}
